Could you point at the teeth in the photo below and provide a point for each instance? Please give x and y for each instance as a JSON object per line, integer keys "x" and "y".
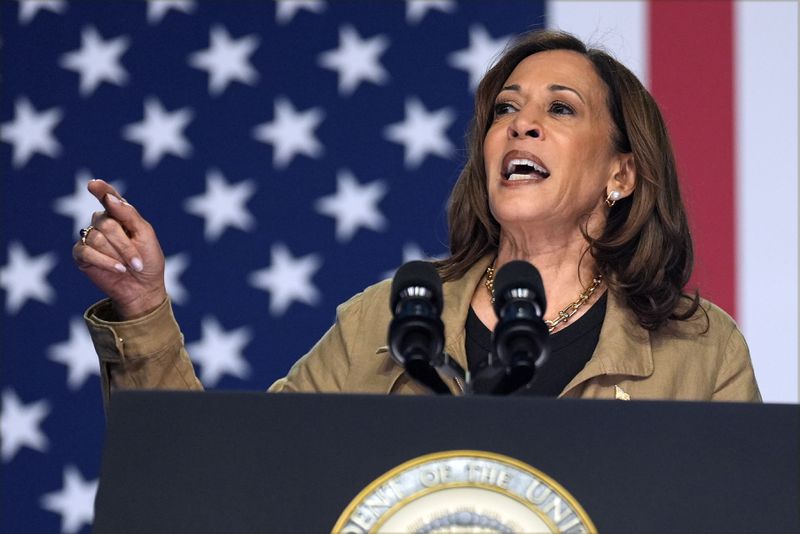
{"x": 514, "y": 162}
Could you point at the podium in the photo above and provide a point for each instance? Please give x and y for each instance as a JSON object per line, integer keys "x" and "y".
{"x": 254, "y": 462}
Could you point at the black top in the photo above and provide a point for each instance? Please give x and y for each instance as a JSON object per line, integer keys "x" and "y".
{"x": 570, "y": 349}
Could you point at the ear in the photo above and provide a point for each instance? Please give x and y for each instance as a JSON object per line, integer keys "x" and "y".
{"x": 624, "y": 179}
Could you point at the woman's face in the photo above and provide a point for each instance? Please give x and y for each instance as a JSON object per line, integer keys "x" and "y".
{"x": 548, "y": 153}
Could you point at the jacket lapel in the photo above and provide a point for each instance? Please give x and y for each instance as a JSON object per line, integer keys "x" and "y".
{"x": 457, "y": 298}
{"x": 623, "y": 349}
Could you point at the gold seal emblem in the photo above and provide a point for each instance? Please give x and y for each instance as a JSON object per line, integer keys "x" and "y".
{"x": 464, "y": 491}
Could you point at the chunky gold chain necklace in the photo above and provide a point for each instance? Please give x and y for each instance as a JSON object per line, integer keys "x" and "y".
{"x": 565, "y": 314}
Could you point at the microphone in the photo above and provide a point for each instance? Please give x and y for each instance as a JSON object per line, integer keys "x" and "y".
{"x": 520, "y": 339}
{"x": 416, "y": 332}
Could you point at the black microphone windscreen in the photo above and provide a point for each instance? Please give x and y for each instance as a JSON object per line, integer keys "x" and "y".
{"x": 417, "y": 273}
{"x": 518, "y": 274}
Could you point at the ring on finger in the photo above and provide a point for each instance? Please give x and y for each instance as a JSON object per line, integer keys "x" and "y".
{"x": 85, "y": 233}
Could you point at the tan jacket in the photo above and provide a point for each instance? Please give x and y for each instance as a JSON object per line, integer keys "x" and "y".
{"x": 677, "y": 362}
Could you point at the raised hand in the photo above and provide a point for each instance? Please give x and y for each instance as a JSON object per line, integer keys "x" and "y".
{"x": 120, "y": 254}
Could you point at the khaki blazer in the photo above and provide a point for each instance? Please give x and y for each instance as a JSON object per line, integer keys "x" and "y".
{"x": 681, "y": 361}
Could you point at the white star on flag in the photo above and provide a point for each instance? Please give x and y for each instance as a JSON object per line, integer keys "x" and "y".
{"x": 285, "y": 10}
{"x": 291, "y": 133}
{"x": 353, "y": 205}
{"x": 77, "y": 353}
{"x": 226, "y": 60}
{"x": 480, "y": 56}
{"x": 97, "y": 61}
{"x": 417, "y": 9}
{"x": 160, "y": 132}
{"x": 19, "y": 425}
{"x": 156, "y": 10}
{"x": 74, "y": 503}
{"x": 29, "y": 8}
{"x": 81, "y": 203}
{"x": 219, "y": 352}
{"x": 25, "y": 277}
{"x": 173, "y": 269}
{"x": 31, "y": 132}
{"x": 287, "y": 279}
{"x": 222, "y": 205}
{"x": 356, "y": 60}
{"x": 422, "y": 133}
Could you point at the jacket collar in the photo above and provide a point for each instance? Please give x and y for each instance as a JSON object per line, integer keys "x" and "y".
{"x": 622, "y": 349}
{"x": 457, "y": 299}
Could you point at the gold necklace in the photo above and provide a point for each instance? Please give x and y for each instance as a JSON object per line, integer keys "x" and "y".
{"x": 565, "y": 314}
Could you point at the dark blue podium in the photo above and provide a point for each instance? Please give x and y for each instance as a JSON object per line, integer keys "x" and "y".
{"x": 254, "y": 462}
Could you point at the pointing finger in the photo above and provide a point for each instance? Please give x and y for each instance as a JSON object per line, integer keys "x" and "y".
{"x": 126, "y": 214}
{"x": 117, "y": 207}
{"x": 100, "y": 188}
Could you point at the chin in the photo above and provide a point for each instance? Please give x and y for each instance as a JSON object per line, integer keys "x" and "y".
{"x": 519, "y": 215}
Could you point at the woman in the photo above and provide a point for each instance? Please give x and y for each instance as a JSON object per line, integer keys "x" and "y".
{"x": 570, "y": 168}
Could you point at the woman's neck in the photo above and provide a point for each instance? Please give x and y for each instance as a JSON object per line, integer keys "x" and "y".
{"x": 566, "y": 267}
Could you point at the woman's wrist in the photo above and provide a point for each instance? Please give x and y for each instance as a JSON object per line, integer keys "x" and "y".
{"x": 140, "y": 307}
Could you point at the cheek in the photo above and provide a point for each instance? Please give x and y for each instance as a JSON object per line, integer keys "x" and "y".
{"x": 493, "y": 145}
{"x": 591, "y": 158}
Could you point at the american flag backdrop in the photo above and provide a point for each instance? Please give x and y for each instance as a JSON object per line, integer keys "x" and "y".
{"x": 290, "y": 154}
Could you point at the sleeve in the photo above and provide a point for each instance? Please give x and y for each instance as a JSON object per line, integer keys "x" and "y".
{"x": 325, "y": 368}
{"x": 143, "y": 353}
{"x": 736, "y": 381}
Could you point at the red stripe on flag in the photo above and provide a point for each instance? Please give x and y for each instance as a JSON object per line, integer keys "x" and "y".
{"x": 691, "y": 76}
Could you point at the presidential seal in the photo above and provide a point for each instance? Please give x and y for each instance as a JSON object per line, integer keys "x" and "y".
{"x": 464, "y": 491}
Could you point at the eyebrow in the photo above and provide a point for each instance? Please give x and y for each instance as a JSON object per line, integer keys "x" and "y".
{"x": 551, "y": 87}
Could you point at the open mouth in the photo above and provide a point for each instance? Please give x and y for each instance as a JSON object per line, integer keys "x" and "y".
{"x": 523, "y": 167}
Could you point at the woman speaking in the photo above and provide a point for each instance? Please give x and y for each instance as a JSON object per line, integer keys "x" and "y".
{"x": 571, "y": 169}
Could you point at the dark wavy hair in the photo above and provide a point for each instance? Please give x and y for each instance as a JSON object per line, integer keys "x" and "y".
{"x": 645, "y": 250}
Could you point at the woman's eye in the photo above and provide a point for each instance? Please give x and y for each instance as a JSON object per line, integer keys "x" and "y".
{"x": 560, "y": 108}
{"x": 503, "y": 108}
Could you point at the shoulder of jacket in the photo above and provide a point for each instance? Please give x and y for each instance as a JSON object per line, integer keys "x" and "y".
{"x": 373, "y": 298}
{"x": 719, "y": 321}
{"x": 709, "y": 322}
{"x": 715, "y": 312}
{"x": 727, "y": 329}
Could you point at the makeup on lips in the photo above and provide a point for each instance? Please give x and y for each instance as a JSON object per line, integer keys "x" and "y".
{"x": 522, "y": 165}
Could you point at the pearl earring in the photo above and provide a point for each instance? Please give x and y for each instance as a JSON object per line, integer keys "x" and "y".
{"x": 612, "y": 198}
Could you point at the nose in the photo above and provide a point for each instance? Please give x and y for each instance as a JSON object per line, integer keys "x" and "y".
{"x": 522, "y": 127}
{"x": 533, "y": 132}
